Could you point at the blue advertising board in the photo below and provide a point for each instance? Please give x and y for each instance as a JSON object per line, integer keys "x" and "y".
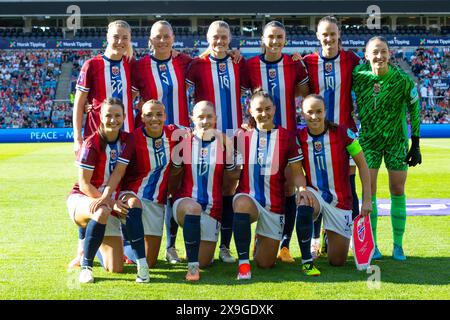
{"x": 66, "y": 134}
{"x": 242, "y": 42}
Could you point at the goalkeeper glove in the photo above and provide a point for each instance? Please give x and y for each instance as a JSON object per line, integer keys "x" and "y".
{"x": 414, "y": 156}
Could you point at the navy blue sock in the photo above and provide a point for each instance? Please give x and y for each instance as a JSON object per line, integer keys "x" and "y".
{"x": 226, "y": 229}
{"x": 81, "y": 233}
{"x": 94, "y": 236}
{"x": 317, "y": 226}
{"x": 192, "y": 233}
{"x": 304, "y": 230}
{"x": 171, "y": 227}
{"x": 173, "y": 232}
{"x": 242, "y": 234}
{"x": 355, "y": 208}
{"x": 289, "y": 221}
{"x": 135, "y": 231}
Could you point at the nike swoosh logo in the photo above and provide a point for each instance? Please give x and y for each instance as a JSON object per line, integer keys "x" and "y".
{"x": 193, "y": 242}
{"x": 241, "y": 253}
{"x": 305, "y": 241}
{"x": 137, "y": 240}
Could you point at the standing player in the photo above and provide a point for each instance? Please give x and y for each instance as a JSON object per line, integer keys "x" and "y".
{"x": 283, "y": 78}
{"x": 144, "y": 166}
{"x": 106, "y": 75}
{"x": 96, "y": 160}
{"x": 383, "y": 94}
{"x": 217, "y": 79}
{"x": 161, "y": 76}
{"x": 326, "y": 149}
{"x": 197, "y": 204}
{"x": 330, "y": 75}
{"x": 265, "y": 151}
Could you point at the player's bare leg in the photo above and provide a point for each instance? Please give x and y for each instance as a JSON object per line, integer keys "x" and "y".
{"x": 152, "y": 246}
{"x": 112, "y": 253}
{"x": 206, "y": 253}
{"x": 338, "y": 246}
{"x": 266, "y": 252}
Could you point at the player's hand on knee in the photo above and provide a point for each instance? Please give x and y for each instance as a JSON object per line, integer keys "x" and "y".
{"x": 304, "y": 197}
{"x": 121, "y": 209}
{"x": 414, "y": 157}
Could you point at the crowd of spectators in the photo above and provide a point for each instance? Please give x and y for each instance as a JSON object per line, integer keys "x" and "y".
{"x": 28, "y": 82}
{"x": 431, "y": 69}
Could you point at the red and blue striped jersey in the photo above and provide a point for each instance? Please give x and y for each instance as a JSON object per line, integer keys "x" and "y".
{"x": 204, "y": 163}
{"x": 105, "y": 78}
{"x": 218, "y": 81}
{"x": 332, "y": 79}
{"x": 279, "y": 79}
{"x": 164, "y": 80}
{"x": 326, "y": 164}
{"x": 264, "y": 156}
{"x": 148, "y": 164}
{"x": 99, "y": 157}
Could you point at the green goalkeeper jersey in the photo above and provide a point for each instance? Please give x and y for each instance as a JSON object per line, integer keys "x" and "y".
{"x": 382, "y": 103}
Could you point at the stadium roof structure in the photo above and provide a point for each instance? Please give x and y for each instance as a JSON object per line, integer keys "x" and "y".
{"x": 266, "y": 8}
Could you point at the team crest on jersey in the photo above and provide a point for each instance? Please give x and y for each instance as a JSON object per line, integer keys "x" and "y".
{"x": 162, "y": 67}
{"x": 318, "y": 146}
{"x": 272, "y": 73}
{"x": 222, "y": 67}
{"x": 158, "y": 143}
{"x": 376, "y": 88}
{"x": 328, "y": 67}
{"x": 361, "y": 229}
{"x": 113, "y": 154}
{"x": 115, "y": 70}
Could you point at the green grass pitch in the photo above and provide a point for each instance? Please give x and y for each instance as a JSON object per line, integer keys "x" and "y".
{"x": 38, "y": 240}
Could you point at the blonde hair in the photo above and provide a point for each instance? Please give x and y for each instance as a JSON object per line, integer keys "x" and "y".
{"x": 219, "y": 24}
{"x": 161, "y": 22}
{"x": 125, "y": 25}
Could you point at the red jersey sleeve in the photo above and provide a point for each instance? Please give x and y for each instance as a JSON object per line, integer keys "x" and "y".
{"x": 302, "y": 73}
{"x": 245, "y": 80}
{"x": 88, "y": 155}
{"x": 192, "y": 72}
{"x": 128, "y": 150}
{"x": 294, "y": 150}
{"x": 354, "y": 58}
{"x": 85, "y": 77}
{"x": 135, "y": 76}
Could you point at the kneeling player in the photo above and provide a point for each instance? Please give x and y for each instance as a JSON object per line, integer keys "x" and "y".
{"x": 144, "y": 166}
{"x": 96, "y": 160}
{"x": 326, "y": 149}
{"x": 265, "y": 152}
{"x": 197, "y": 204}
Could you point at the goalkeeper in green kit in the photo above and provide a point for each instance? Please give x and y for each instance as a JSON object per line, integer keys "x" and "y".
{"x": 384, "y": 94}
